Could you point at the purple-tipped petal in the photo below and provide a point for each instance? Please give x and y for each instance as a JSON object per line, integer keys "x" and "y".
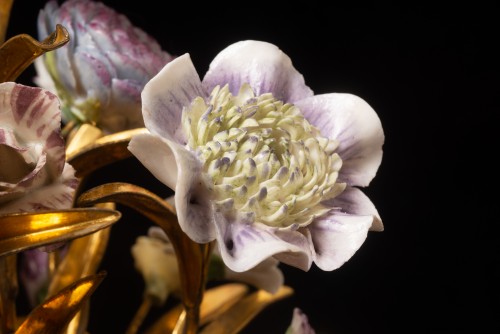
{"x": 35, "y": 115}
{"x": 55, "y": 196}
{"x": 95, "y": 73}
{"x": 180, "y": 170}
{"x": 337, "y": 237}
{"x": 243, "y": 246}
{"x": 354, "y": 202}
{"x": 262, "y": 65}
{"x": 104, "y": 47}
{"x": 350, "y": 120}
{"x": 165, "y": 96}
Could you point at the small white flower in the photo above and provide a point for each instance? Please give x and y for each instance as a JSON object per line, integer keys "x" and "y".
{"x": 156, "y": 261}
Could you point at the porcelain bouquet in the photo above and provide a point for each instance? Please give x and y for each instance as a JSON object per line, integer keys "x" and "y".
{"x": 262, "y": 173}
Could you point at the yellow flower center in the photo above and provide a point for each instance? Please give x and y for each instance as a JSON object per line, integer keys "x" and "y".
{"x": 264, "y": 160}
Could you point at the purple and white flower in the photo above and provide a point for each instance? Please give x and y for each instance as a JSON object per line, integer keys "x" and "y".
{"x": 258, "y": 162}
{"x": 100, "y": 73}
{"x": 34, "y": 174}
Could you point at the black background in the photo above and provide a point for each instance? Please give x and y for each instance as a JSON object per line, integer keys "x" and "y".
{"x": 431, "y": 73}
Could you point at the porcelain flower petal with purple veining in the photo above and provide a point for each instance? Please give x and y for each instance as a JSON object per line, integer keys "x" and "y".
{"x": 260, "y": 163}
{"x": 33, "y": 172}
{"x": 100, "y": 73}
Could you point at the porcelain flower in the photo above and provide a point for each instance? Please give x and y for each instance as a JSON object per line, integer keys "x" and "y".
{"x": 155, "y": 259}
{"x": 33, "y": 172}
{"x": 100, "y": 73}
{"x": 258, "y": 162}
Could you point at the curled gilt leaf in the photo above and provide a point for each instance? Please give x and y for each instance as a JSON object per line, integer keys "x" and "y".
{"x": 17, "y": 53}
{"x": 193, "y": 257}
{"x": 52, "y": 316}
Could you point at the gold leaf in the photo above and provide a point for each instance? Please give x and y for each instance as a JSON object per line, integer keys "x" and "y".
{"x": 240, "y": 314}
{"x": 192, "y": 257}
{"x": 17, "y": 53}
{"x": 216, "y": 301}
{"x": 21, "y": 231}
{"x": 103, "y": 151}
{"x": 5, "y": 8}
{"x": 53, "y": 315}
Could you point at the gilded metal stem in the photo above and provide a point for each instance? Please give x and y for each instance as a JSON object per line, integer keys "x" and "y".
{"x": 140, "y": 315}
{"x": 216, "y": 301}
{"x": 193, "y": 258}
{"x": 8, "y": 293}
{"x": 5, "y": 8}
{"x": 54, "y": 258}
{"x": 54, "y": 314}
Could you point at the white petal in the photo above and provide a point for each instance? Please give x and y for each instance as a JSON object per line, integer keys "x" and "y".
{"x": 180, "y": 170}
{"x": 43, "y": 79}
{"x": 337, "y": 237}
{"x": 354, "y": 202}
{"x": 243, "y": 246}
{"x": 155, "y": 154}
{"x": 56, "y": 196}
{"x": 165, "y": 95}
{"x": 35, "y": 115}
{"x": 158, "y": 268}
{"x": 262, "y": 65}
{"x": 350, "y": 120}
{"x": 95, "y": 73}
{"x": 266, "y": 275}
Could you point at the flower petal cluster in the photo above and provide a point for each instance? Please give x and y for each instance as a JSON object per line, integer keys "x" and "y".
{"x": 34, "y": 174}
{"x": 100, "y": 73}
{"x": 258, "y": 162}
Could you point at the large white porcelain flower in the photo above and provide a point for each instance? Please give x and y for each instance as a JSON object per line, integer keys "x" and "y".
{"x": 100, "y": 73}
{"x": 259, "y": 162}
{"x": 34, "y": 174}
